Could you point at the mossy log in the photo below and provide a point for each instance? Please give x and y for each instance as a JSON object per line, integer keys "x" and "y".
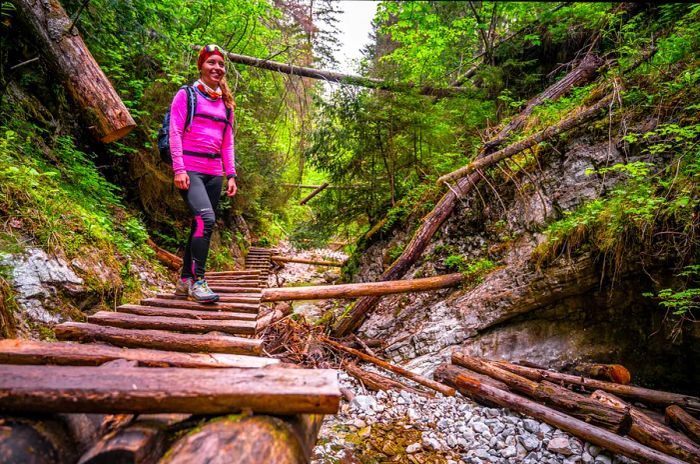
{"x": 251, "y": 440}
{"x": 69, "y": 57}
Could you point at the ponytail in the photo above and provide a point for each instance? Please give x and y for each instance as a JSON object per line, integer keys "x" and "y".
{"x": 226, "y": 95}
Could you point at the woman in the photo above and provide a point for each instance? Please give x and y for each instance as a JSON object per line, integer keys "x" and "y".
{"x": 197, "y": 153}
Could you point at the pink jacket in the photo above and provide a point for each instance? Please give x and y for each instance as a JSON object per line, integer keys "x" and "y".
{"x": 202, "y": 136}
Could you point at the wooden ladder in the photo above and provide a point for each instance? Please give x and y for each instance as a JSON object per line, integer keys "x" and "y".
{"x": 181, "y": 357}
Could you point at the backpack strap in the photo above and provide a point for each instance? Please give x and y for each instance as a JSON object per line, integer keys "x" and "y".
{"x": 228, "y": 121}
{"x": 191, "y": 105}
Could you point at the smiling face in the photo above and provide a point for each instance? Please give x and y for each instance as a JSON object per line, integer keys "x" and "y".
{"x": 213, "y": 70}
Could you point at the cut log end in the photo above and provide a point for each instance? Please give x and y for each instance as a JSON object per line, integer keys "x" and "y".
{"x": 117, "y": 134}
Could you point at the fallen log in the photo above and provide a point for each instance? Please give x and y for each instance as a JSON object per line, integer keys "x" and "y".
{"x": 170, "y": 260}
{"x": 559, "y": 398}
{"x": 318, "y": 190}
{"x": 69, "y": 57}
{"x": 598, "y": 436}
{"x": 644, "y": 395}
{"x": 157, "y": 339}
{"x": 169, "y": 390}
{"x": 184, "y": 313}
{"x": 378, "y": 382}
{"x": 341, "y": 78}
{"x": 318, "y": 262}
{"x": 445, "y": 371}
{"x": 141, "y": 442}
{"x": 73, "y": 354}
{"x": 322, "y": 292}
{"x": 652, "y": 433}
{"x": 251, "y": 440}
{"x": 613, "y": 372}
{"x": 437, "y": 386}
{"x": 177, "y": 324}
{"x": 338, "y": 187}
{"x": 684, "y": 422}
{"x": 565, "y": 125}
{"x": 277, "y": 313}
{"x": 581, "y": 74}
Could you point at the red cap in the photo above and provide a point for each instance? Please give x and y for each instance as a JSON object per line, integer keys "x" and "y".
{"x": 208, "y": 51}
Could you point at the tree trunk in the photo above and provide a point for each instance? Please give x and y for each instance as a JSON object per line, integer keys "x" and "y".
{"x": 612, "y": 372}
{"x": 651, "y": 433}
{"x": 559, "y": 398}
{"x": 322, "y": 292}
{"x": 596, "y": 435}
{"x": 644, "y": 395}
{"x": 684, "y": 422}
{"x": 316, "y": 191}
{"x": 378, "y": 382}
{"x": 169, "y": 390}
{"x": 252, "y": 440}
{"x": 61, "y": 353}
{"x": 70, "y": 59}
{"x": 157, "y": 339}
{"x": 437, "y": 386}
{"x": 176, "y": 324}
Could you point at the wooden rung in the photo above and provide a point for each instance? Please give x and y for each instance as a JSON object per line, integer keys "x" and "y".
{"x": 227, "y": 302}
{"x": 185, "y": 313}
{"x": 177, "y": 324}
{"x": 76, "y": 354}
{"x": 172, "y": 390}
{"x": 157, "y": 339}
{"x": 236, "y": 289}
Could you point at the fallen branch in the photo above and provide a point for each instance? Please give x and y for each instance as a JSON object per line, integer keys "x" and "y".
{"x": 322, "y": 292}
{"x": 316, "y": 191}
{"x": 447, "y": 391}
{"x": 600, "y": 437}
{"x": 170, "y": 260}
{"x": 551, "y": 131}
{"x": 378, "y": 382}
{"x": 652, "y": 433}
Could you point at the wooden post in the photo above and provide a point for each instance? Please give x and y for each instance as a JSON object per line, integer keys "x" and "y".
{"x": 70, "y": 59}
{"x": 596, "y": 435}
{"x": 322, "y": 292}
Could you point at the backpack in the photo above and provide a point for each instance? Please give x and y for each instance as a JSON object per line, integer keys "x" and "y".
{"x": 164, "y": 131}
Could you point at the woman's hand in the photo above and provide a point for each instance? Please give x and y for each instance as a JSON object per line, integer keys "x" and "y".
{"x": 182, "y": 181}
{"x": 231, "y": 188}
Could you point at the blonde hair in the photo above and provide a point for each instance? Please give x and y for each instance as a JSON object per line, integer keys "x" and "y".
{"x": 226, "y": 94}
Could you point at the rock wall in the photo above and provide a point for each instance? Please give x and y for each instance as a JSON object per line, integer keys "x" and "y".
{"x": 567, "y": 311}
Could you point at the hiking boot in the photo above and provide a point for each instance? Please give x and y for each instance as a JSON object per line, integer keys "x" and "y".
{"x": 200, "y": 292}
{"x": 182, "y": 288}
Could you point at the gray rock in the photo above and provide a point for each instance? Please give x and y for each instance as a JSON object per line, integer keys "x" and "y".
{"x": 509, "y": 452}
{"x": 481, "y": 428}
{"x": 364, "y": 403}
{"x": 586, "y": 458}
{"x": 530, "y": 442}
{"x": 560, "y": 445}
{"x": 531, "y": 425}
{"x": 545, "y": 428}
{"x": 602, "y": 459}
{"x": 593, "y": 450}
{"x": 431, "y": 443}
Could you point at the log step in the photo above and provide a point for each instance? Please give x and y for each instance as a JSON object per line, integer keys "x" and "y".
{"x": 76, "y": 354}
{"x": 185, "y": 313}
{"x": 177, "y": 324}
{"x": 236, "y": 289}
{"x": 247, "y": 272}
{"x": 172, "y": 390}
{"x": 229, "y": 302}
{"x": 157, "y": 339}
{"x": 239, "y": 283}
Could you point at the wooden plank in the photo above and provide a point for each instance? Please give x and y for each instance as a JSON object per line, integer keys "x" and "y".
{"x": 178, "y": 324}
{"x": 240, "y": 283}
{"x": 143, "y": 310}
{"x": 239, "y": 303}
{"x": 321, "y": 292}
{"x": 236, "y": 289}
{"x": 247, "y": 272}
{"x": 171, "y": 390}
{"x": 157, "y": 339}
{"x": 75, "y": 354}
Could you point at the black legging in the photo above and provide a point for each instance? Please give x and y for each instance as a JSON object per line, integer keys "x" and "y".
{"x": 202, "y": 198}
